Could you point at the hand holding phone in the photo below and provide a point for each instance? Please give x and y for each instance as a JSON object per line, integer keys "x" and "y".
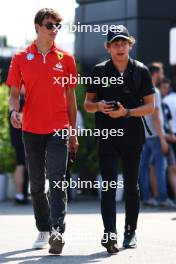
{"x": 114, "y": 105}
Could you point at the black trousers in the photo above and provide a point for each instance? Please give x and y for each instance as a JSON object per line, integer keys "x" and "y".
{"x": 46, "y": 156}
{"x": 109, "y": 151}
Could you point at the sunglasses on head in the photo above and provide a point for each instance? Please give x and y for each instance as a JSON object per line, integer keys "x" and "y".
{"x": 50, "y": 25}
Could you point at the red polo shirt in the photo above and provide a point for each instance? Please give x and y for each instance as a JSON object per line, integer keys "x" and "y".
{"x": 45, "y": 106}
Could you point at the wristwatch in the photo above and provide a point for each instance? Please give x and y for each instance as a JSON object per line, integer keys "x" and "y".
{"x": 128, "y": 113}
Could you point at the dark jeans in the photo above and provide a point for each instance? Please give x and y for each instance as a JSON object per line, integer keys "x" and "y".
{"x": 46, "y": 155}
{"x": 109, "y": 153}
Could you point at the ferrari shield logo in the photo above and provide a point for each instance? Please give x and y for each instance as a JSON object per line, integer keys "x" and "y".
{"x": 60, "y": 55}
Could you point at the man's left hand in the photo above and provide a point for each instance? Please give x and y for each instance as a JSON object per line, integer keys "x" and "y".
{"x": 118, "y": 113}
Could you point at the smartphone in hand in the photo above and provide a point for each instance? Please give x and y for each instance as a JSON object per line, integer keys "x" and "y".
{"x": 113, "y": 104}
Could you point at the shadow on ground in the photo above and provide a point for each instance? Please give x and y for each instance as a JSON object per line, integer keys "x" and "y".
{"x": 42, "y": 259}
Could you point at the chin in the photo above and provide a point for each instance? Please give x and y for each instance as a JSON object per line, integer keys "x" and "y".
{"x": 120, "y": 58}
{"x": 52, "y": 37}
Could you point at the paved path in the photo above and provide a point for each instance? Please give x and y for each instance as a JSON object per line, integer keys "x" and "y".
{"x": 156, "y": 237}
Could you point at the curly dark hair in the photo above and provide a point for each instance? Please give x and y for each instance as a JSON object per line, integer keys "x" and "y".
{"x": 47, "y": 13}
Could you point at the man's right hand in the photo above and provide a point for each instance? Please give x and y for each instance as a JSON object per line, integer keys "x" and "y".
{"x": 164, "y": 146}
{"x": 103, "y": 107}
{"x": 15, "y": 119}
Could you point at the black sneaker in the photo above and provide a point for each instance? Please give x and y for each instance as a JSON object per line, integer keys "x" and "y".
{"x": 130, "y": 240}
{"x": 56, "y": 242}
{"x": 21, "y": 201}
{"x": 109, "y": 241}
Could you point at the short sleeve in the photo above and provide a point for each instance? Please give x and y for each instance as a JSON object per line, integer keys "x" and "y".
{"x": 147, "y": 87}
{"x": 92, "y": 87}
{"x": 14, "y": 74}
{"x": 71, "y": 74}
{"x": 157, "y": 99}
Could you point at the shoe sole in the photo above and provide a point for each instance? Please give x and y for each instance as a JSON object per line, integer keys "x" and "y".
{"x": 110, "y": 248}
{"x": 56, "y": 245}
{"x": 40, "y": 247}
{"x": 135, "y": 246}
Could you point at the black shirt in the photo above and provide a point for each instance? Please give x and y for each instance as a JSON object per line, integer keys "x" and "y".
{"x": 126, "y": 94}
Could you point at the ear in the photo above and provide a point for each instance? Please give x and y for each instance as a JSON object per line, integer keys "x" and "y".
{"x": 106, "y": 45}
{"x": 37, "y": 27}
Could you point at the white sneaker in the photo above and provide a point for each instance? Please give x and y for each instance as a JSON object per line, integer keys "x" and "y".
{"x": 41, "y": 240}
{"x": 168, "y": 203}
{"x": 151, "y": 202}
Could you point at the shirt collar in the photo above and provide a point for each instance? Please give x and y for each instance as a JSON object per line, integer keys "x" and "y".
{"x": 33, "y": 48}
{"x": 128, "y": 69}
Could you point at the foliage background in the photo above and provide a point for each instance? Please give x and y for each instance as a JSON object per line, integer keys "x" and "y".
{"x": 7, "y": 155}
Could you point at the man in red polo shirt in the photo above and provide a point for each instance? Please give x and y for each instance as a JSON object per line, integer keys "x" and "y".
{"x": 50, "y": 105}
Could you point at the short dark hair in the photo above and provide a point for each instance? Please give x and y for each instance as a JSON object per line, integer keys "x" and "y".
{"x": 47, "y": 13}
{"x": 153, "y": 68}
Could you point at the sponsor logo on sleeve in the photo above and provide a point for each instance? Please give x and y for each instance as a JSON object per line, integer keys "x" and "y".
{"x": 30, "y": 56}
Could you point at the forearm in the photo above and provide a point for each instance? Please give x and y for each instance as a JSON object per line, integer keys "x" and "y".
{"x": 14, "y": 103}
{"x": 72, "y": 110}
{"x": 72, "y": 113}
{"x": 142, "y": 110}
{"x": 158, "y": 127}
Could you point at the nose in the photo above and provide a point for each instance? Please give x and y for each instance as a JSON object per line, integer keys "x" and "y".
{"x": 120, "y": 48}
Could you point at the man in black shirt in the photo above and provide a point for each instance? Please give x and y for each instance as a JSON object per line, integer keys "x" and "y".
{"x": 134, "y": 97}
